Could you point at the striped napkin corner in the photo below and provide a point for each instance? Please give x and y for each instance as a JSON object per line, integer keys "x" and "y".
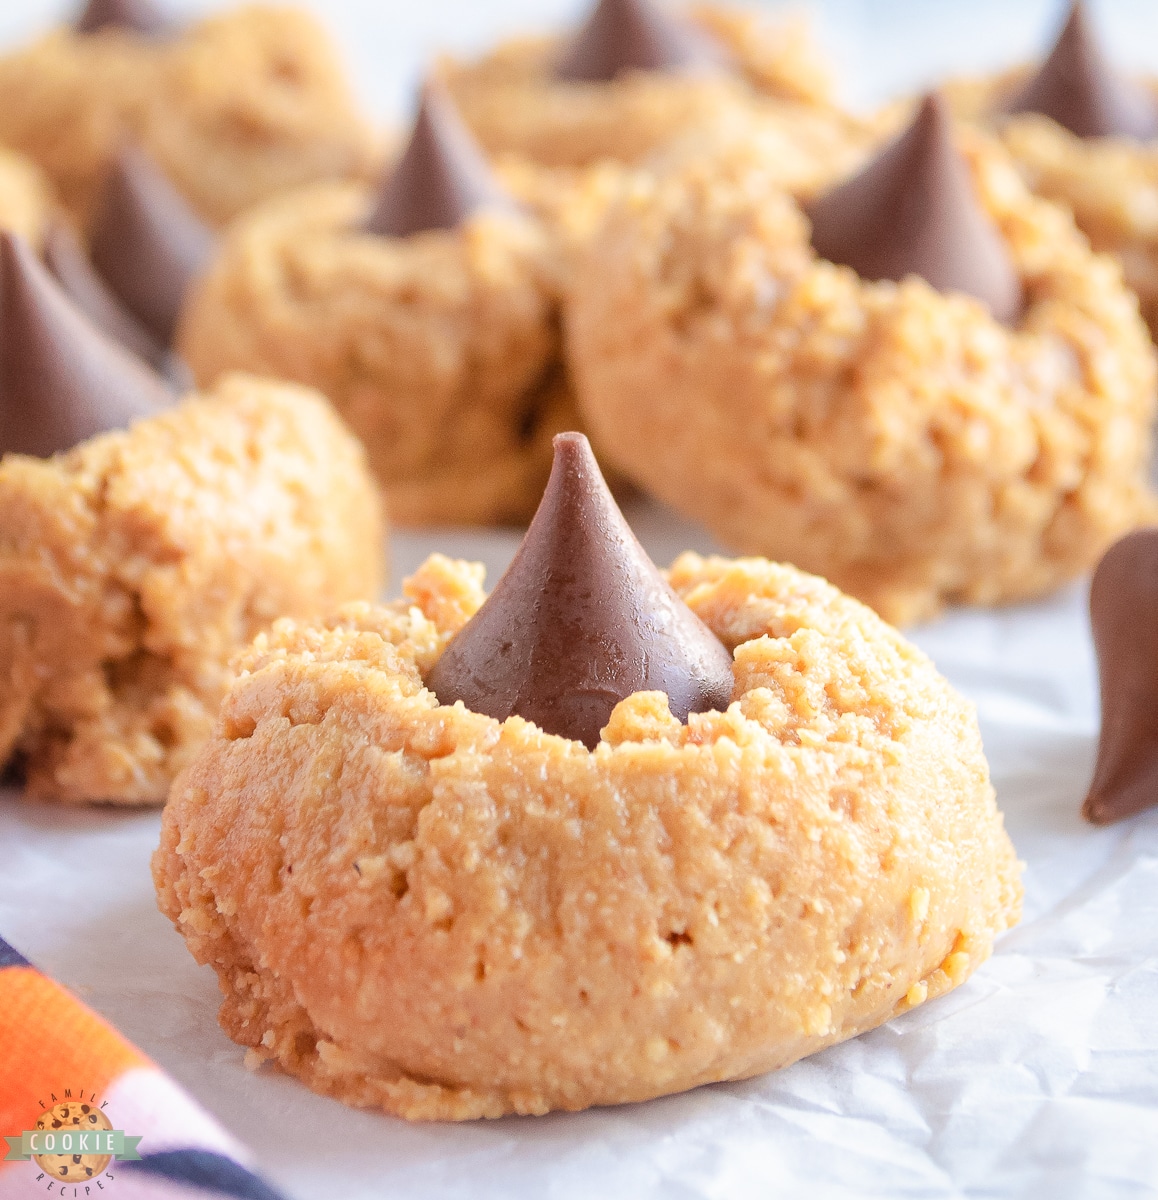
{"x": 73, "y": 1089}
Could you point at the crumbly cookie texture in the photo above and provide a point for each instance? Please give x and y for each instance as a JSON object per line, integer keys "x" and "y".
{"x": 234, "y": 109}
{"x": 513, "y": 104}
{"x": 414, "y": 907}
{"x": 1110, "y": 184}
{"x": 441, "y": 350}
{"x": 134, "y": 566}
{"x": 26, "y": 200}
{"x": 896, "y": 440}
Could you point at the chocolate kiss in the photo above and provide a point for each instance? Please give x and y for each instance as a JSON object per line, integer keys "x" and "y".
{"x": 913, "y": 211}
{"x": 65, "y": 257}
{"x": 61, "y": 381}
{"x": 440, "y": 180}
{"x": 1079, "y": 89}
{"x": 1124, "y": 616}
{"x": 580, "y": 620}
{"x": 141, "y": 16}
{"x": 636, "y": 35}
{"x": 147, "y": 243}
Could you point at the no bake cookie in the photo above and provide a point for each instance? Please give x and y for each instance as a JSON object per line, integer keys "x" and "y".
{"x": 979, "y": 444}
{"x": 135, "y": 561}
{"x": 428, "y": 311}
{"x": 634, "y": 76}
{"x": 1085, "y": 135}
{"x": 233, "y": 108}
{"x": 416, "y": 906}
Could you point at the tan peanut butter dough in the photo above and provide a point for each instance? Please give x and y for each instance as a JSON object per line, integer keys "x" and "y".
{"x": 135, "y": 565}
{"x": 416, "y": 907}
{"x": 894, "y": 439}
{"x": 514, "y": 104}
{"x": 440, "y": 350}
{"x": 233, "y": 108}
{"x": 1109, "y": 183}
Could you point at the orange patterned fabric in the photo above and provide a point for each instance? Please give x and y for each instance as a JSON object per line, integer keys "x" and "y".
{"x": 49, "y": 1040}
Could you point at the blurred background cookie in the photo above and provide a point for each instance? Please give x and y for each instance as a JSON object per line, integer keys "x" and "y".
{"x": 634, "y": 75}
{"x": 232, "y": 107}
{"x": 427, "y": 310}
{"x": 1084, "y": 132}
{"x": 960, "y": 414}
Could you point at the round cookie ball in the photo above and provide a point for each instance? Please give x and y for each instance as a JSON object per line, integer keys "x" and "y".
{"x": 440, "y": 350}
{"x": 513, "y": 103}
{"x": 445, "y": 916}
{"x": 894, "y": 439}
{"x": 233, "y": 108}
{"x": 135, "y": 565}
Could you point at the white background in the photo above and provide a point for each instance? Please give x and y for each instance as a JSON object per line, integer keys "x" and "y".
{"x": 1038, "y": 1078}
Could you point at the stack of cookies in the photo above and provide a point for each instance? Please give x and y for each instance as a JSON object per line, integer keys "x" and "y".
{"x": 608, "y": 832}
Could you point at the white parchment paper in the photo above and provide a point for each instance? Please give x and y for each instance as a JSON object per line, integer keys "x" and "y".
{"x": 1038, "y": 1078}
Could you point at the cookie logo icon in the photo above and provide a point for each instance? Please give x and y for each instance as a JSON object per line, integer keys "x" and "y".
{"x": 66, "y": 1122}
{"x": 73, "y": 1143}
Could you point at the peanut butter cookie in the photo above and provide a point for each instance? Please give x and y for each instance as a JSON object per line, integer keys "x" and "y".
{"x": 887, "y": 432}
{"x": 233, "y": 108}
{"x": 133, "y": 566}
{"x": 460, "y": 917}
{"x": 1087, "y": 137}
{"x": 634, "y": 76}
{"x": 427, "y": 310}
{"x": 594, "y": 838}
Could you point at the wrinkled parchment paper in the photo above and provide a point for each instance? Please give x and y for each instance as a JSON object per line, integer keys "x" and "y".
{"x": 1037, "y": 1078}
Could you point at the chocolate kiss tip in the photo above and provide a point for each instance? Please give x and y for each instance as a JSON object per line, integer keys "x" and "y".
{"x": 441, "y": 179}
{"x": 636, "y": 35}
{"x": 1079, "y": 89}
{"x": 141, "y": 16}
{"x": 66, "y": 258}
{"x": 1124, "y": 619}
{"x": 147, "y": 243}
{"x": 914, "y": 211}
{"x": 61, "y": 381}
{"x": 580, "y": 620}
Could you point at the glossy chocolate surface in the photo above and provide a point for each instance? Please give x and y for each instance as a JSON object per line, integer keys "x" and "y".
{"x": 581, "y": 619}
{"x": 442, "y": 178}
{"x": 61, "y": 380}
{"x": 914, "y": 211}
{"x": 1124, "y": 616}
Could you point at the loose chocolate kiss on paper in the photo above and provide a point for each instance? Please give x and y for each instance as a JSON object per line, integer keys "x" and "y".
{"x": 147, "y": 243}
{"x": 61, "y": 380}
{"x": 580, "y": 620}
{"x": 636, "y": 35}
{"x": 441, "y": 179}
{"x": 140, "y": 16}
{"x": 1124, "y": 616}
{"x": 69, "y": 263}
{"x": 913, "y": 211}
{"x": 1079, "y": 89}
